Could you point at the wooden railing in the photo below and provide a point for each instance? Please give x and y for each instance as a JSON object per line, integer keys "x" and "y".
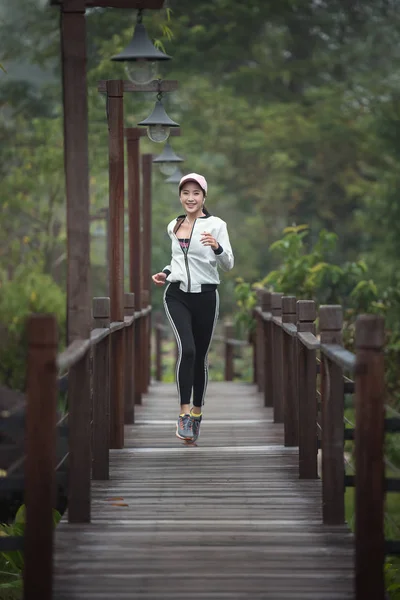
{"x": 305, "y": 377}
{"x": 93, "y": 423}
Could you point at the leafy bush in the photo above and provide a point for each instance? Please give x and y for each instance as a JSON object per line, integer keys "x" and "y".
{"x": 12, "y": 563}
{"x": 29, "y": 292}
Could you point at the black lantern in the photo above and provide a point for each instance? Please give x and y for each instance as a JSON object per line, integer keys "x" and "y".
{"x": 158, "y": 123}
{"x": 167, "y": 160}
{"x": 141, "y": 55}
{"x": 175, "y": 177}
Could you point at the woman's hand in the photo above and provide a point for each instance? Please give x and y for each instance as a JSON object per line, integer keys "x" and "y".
{"x": 208, "y": 240}
{"x": 159, "y": 278}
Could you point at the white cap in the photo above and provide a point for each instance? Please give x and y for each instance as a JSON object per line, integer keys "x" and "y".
{"x": 197, "y": 178}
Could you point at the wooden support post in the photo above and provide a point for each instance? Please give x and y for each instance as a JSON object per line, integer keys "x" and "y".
{"x": 277, "y": 358}
{"x": 116, "y": 215}
{"x": 144, "y": 344}
{"x": 40, "y": 459}
{"x": 267, "y": 348}
{"x": 133, "y": 135}
{"x": 147, "y": 163}
{"x": 76, "y": 163}
{"x": 290, "y": 404}
{"x": 332, "y": 400}
{"x": 73, "y": 51}
{"x": 307, "y": 393}
{"x": 101, "y": 392}
{"x": 228, "y": 331}
{"x": 158, "y": 345}
{"x": 129, "y": 360}
{"x": 259, "y": 343}
{"x": 116, "y": 191}
{"x": 369, "y": 455}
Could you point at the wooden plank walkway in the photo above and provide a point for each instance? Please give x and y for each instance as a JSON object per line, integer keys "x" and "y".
{"x": 226, "y": 519}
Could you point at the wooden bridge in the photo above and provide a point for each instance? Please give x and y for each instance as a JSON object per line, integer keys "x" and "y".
{"x": 251, "y": 511}
{"x": 257, "y": 508}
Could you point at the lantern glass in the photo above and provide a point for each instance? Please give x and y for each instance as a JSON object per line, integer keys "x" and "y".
{"x": 141, "y": 71}
{"x": 167, "y": 169}
{"x": 158, "y": 133}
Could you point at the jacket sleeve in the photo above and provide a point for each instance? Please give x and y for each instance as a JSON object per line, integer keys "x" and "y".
{"x": 224, "y": 254}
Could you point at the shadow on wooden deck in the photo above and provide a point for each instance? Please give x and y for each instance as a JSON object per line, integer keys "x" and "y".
{"x": 226, "y": 519}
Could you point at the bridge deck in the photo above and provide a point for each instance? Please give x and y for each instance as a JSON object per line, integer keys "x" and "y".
{"x": 228, "y": 519}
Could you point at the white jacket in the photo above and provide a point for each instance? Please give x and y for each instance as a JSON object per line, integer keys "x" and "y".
{"x": 196, "y": 268}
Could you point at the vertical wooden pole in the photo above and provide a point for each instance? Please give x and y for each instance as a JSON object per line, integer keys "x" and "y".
{"x": 116, "y": 193}
{"x": 135, "y": 265}
{"x": 332, "y": 399}
{"x": 76, "y": 162}
{"x": 147, "y": 163}
{"x": 144, "y": 343}
{"x": 277, "y": 358}
{"x": 369, "y": 454}
{"x": 129, "y": 360}
{"x": 307, "y": 393}
{"x": 158, "y": 345}
{"x": 101, "y": 392}
{"x": 267, "y": 345}
{"x": 259, "y": 343}
{"x": 290, "y": 404}
{"x": 40, "y": 456}
{"x": 229, "y": 371}
{"x": 116, "y": 215}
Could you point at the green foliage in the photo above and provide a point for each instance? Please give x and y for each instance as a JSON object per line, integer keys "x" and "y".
{"x": 12, "y": 563}
{"x": 29, "y": 292}
{"x": 310, "y": 272}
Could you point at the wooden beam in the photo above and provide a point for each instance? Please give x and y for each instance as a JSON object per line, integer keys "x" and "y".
{"x": 167, "y": 85}
{"x": 144, "y": 4}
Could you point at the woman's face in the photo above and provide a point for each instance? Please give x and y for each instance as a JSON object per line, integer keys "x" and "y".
{"x": 192, "y": 197}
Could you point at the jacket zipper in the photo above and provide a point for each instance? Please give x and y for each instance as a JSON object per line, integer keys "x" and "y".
{"x": 185, "y": 253}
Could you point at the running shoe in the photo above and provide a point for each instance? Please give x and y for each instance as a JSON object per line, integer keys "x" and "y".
{"x": 194, "y": 426}
{"x": 183, "y": 431}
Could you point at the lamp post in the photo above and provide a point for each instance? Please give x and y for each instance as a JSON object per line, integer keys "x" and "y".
{"x": 73, "y": 55}
{"x": 140, "y": 50}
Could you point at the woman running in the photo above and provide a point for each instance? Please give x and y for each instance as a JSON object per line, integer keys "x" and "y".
{"x": 200, "y": 244}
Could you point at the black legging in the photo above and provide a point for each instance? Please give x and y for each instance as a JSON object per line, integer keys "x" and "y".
{"x": 193, "y": 317}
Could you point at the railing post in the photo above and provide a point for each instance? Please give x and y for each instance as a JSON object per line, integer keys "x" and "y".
{"x": 129, "y": 360}
{"x": 101, "y": 392}
{"x": 307, "y": 393}
{"x": 332, "y": 404}
{"x": 228, "y": 333}
{"x": 158, "y": 344}
{"x": 369, "y": 459}
{"x": 40, "y": 456}
{"x": 259, "y": 334}
{"x": 290, "y": 404}
{"x": 277, "y": 358}
{"x": 145, "y": 344}
{"x": 267, "y": 348}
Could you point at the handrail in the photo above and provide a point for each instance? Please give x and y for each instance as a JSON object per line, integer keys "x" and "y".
{"x": 309, "y": 340}
{"x": 302, "y": 377}
{"x": 340, "y": 356}
{"x": 71, "y": 355}
{"x": 96, "y": 373}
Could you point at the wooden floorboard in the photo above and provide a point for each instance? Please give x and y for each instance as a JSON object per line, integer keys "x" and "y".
{"x": 226, "y": 519}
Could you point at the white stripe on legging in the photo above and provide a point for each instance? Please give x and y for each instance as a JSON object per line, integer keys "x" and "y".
{"x": 206, "y": 356}
{"x": 178, "y": 340}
